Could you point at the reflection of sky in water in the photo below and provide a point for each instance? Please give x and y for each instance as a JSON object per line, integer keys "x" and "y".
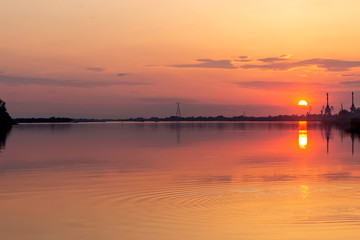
{"x": 179, "y": 181}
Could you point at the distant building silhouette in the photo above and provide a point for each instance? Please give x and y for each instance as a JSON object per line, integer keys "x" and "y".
{"x": 352, "y": 108}
{"x": 178, "y": 112}
{"x": 327, "y": 108}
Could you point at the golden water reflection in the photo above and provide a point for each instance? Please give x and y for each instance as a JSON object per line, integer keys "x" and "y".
{"x": 304, "y": 191}
{"x": 139, "y": 181}
{"x": 303, "y": 140}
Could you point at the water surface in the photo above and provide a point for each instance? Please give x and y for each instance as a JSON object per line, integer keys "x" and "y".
{"x": 284, "y": 180}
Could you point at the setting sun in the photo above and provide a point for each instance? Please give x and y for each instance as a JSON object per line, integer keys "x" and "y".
{"x": 302, "y": 103}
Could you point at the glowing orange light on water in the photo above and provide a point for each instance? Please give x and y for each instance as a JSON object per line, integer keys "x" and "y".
{"x": 303, "y": 140}
{"x": 305, "y": 191}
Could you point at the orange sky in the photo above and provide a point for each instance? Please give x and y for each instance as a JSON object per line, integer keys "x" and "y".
{"x": 92, "y": 58}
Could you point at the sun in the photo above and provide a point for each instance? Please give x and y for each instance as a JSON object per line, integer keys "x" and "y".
{"x": 302, "y": 103}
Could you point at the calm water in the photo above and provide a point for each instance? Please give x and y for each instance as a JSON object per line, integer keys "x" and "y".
{"x": 179, "y": 181}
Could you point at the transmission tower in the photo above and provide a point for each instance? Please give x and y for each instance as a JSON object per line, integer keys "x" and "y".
{"x": 178, "y": 112}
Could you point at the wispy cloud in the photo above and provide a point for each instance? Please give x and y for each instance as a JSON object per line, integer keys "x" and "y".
{"x": 207, "y": 63}
{"x": 351, "y": 83}
{"x": 166, "y": 100}
{"x": 15, "y": 80}
{"x": 95, "y": 69}
{"x": 350, "y": 75}
{"x": 243, "y": 59}
{"x": 273, "y": 59}
{"x": 285, "y": 57}
{"x": 122, "y": 74}
{"x": 276, "y": 85}
{"x": 328, "y": 64}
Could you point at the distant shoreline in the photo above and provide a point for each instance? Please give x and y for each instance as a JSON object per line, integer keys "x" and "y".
{"x": 349, "y": 122}
{"x": 175, "y": 119}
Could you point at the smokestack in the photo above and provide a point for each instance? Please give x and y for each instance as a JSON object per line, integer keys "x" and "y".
{"x": 327, "y": 99}
{"x": 352, "y": 108}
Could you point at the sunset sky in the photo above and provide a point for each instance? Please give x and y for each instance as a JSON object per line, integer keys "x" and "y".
{"x": 122, "y": 58}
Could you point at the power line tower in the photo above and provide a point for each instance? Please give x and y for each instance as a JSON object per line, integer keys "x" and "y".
{"x": 178, "y": 112}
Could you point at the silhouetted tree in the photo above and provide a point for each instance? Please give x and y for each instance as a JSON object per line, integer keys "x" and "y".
{"x": 5, "y": 119}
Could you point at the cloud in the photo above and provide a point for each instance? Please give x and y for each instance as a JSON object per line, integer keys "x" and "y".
{"x": 95, "y": 69}
{"x": 351, "y": 83}
{"x": 328, "y": 64}
{"x": 207, "y": 63}
{"x": 121, "y": 74}
{"x": 166, "y": 100}
{"x": 273, "y": 59}
{"x": 277, "y": 85}
{"x": 158, "y": 100}
{"x": 243, "y": 60}
{"x": 14, "y": 80}
{"x": 350, "y": 75}
{"x": 284, "y": 57}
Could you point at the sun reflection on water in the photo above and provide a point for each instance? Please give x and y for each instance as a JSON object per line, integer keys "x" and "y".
{"x": 303, "y": 140}
{"x": 304, "y": 191}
